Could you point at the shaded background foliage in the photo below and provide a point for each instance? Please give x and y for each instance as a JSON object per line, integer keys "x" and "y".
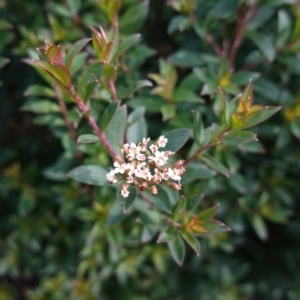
{"x": 55, "y": 243}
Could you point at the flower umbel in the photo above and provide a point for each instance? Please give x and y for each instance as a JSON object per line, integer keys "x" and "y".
{"x": 146, "y": 167}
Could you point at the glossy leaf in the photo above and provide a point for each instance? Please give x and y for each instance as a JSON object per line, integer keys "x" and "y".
{"x": 41, "y": 106}
{"x": 197, "y": 171}
{"x": 198, "y": 128}
{"x": 161, "y": 200}
{"x": 259, "y": 117}
{"x": 177, "y": 249}
{"x": 264, "y": 43}
{"x": 74, "y": 50}
{"x": 108, "y": 115}
{"x": 167, "y": 234}
{"x": 259, "y": 226}
{"x": 39, "y": 90}
{"x": 137, "y": 129}
{"x": 215, "y": 164}
{"x": 208, "y": 213}
{"x": 54, "y": 54}
{"x": 86, "y": 86}
{"x": 134, "y": 17}
{"x": 87, "y": 139}
{"x": 177, "y": 138}
{"x": 241, "y": 135}
{"x": 126, "y": 203}
{"x": 116, "y": 128}
{"x": 90, "y": 174}
{"x": 123, "y": 46}
{"x": 192, "y": 241}
{"x": 186, "y": 58}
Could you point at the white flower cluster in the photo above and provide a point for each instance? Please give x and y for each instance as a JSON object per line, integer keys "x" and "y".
{"x": 146, "y": 167}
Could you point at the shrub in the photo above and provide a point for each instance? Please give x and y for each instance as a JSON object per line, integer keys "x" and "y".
{"x": 136, "y": 136}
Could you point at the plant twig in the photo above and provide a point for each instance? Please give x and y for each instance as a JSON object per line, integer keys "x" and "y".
{"x": 64, "y": 112}
{"x": 83, "y": 108}
{"x": 199, "y": 151}
{"x": 112, "y": 90}
{"x": 210, "y": 39}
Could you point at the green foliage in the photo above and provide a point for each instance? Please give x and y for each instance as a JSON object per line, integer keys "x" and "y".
{"x": 223, "y": 91}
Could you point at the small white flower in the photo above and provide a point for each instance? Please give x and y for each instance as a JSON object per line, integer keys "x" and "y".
{"x": 174, "y": 174}
{"x": 124, "y": 190}
{"x": 111, "y": 177}
{"x": 162, "y": 141}
{"x": 153, "y": 148}
{"x": 119, "y": 168}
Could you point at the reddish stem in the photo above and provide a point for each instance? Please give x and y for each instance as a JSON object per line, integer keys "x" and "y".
{"x": 112, "y": 90}
{"x": 82, "y": 107}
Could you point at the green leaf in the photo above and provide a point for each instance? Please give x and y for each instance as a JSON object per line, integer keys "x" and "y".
{"x": 125, "y": 203}
{"x": 90, "y": 174}
{"x": 162, "y": 200}
{"x": 126, "y": 92}
{"x": 167, "y": 111}
{"x": 74, "y": 50}
{"x": 96, "y": 69}
{"x": 185, "y": 95}
{"x": 243, "y": 78}
{"x": 198, "y": 128}
{"x": 192, "y": 241}
{"x": 41, "y": 106}
{"x": 295, "y": 128}
{"x": 284, "y": 29}
{"x": 259, "y": 226}
{"x": 209, "y": 213}
{"x": 195, "y": 171}
{"x": 177, "y": 249}
{"x": 186, "y": 58}
{"x": 259, "y": 116}
{"x": 137, "y": 129}
{"x": 152, "y": 104}
{"x": 215, "y": 164}
{"x": 167, "y": 235}
{"x": 108, "y": 115}
{"x": 126, "y": 43}
{"x": 39, "y": 90}
{"x": 134, "y": 17}
{"x": 264, "y": 43}
{"x": 179, "y": 23}
{"x": 87, "y": 84}
{"x": 181, "y": 205}
{"x": 87, "y": 139}
{"x": 116, "y": 128}
{"x": 241, "y": 135}
{"x": 224, "y": 9}
{"x": 115, "y": 214}
{"x": 3, "y": 61}
{"x": 177, "y": 138}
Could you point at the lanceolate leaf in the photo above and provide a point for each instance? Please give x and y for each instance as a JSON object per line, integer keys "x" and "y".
{"x": 108, "y": 115}
{"x": 91, "y": 174}
{"x": 259, "y": 116}
{"x": 192, "y": 241}
{"x": 74, "y": 50}
{"x": 167, "y": 234}
{"x": 123, "y": 46}
{"x": 177, "y": 138}
{"x": 177, "y": 249}
{"x": 241, "y": 135}
{"x": 116, "y": 128}
{"x": 215, "y": 164}
{"x": 198, "y": 129}
{"x": 125, "y": 203}
{"x": 87, "y": 139}
{"x": 60, "y": 73}
{"x": 208, "y": 213}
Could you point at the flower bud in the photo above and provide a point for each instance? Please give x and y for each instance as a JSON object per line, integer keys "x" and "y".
{"x": 154, "y": 190}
